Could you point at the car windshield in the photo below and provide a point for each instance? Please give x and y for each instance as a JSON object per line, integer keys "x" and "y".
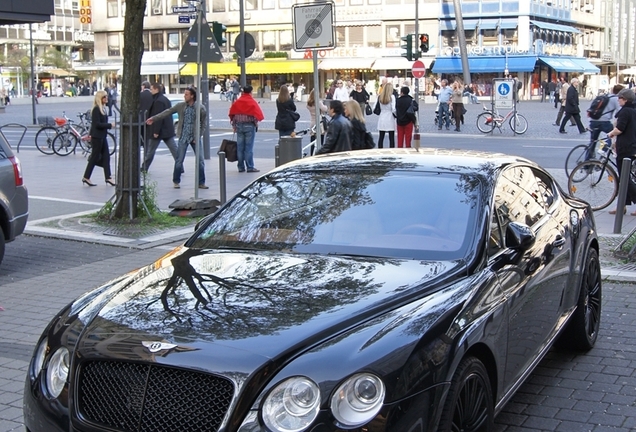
{"x": 394, "y": 213}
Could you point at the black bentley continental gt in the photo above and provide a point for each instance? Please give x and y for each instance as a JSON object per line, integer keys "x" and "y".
{"x": 381, "y": 291}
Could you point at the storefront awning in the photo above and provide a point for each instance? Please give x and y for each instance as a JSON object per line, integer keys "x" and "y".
{"x": 346, "y": 63}
{"x": 485, "y": 64}
{"x": 508, "y": 24}
{"x": 570, "y": 64}
{"x": 254, "y": 67}
{"x": 392, "y": 63}
{"x": 159, "y": 68}
{"x": 557, "y": 27}
{"x": 488, "y": 24}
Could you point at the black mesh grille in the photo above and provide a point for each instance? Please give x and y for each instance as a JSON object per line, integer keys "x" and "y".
{"x": 151, "y": 398}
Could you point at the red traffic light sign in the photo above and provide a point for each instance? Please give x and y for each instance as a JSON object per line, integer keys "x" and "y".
{"x": 418, "y": 69}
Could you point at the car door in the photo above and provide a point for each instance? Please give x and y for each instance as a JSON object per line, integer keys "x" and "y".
{"x": 530, "y": 277}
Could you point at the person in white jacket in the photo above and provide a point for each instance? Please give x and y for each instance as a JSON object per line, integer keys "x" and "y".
{"x": 386, "y": 122}
{"x": 341, "y": 93}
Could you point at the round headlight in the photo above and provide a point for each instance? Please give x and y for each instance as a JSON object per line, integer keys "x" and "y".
{"x": 57, "y": 372}
{"x": 38, "y": 358}
{"x": 292, "y": 405}
{"x": 358, "y": 400}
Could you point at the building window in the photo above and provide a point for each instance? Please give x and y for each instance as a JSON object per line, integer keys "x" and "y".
{"x": 269, "y": 41}
{"x": 218, "y": 5}
{"x": 356, "y": 36}
{"x": 146, "y": 39}
{"x": 112, "y": 8}
{"x": 269, "y": 4}
{"x": 156, "y": 41}
{"x": 170, "y": 4}
{"x": 285, "y": 37}
{"x": 341, "y": 40}
{"x": 375, "y": 2}
{"x": 356, "y": 2}
{"x": 113, "y": 44}
{"x": 173, "y": 41}
{"x": 284, "y": 4}
{"x": 393, "y": 35}
{"x": 374, "y": 36}
{"x": 156, "y": 7}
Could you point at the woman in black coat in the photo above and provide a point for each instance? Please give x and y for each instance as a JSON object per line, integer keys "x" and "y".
{"x": 625, "y": 144}
{"x": 99, "y": 147}
{"x": 285, "y": 123}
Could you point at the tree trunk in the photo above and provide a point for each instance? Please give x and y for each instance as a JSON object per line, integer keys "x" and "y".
{"x": 128, "y": 175}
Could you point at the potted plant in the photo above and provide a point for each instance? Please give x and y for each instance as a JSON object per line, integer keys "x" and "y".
{"x": 275, "y": 55}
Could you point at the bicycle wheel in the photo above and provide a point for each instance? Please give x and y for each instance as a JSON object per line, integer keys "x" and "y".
{"x": 44, "y": 139}
{"x": 575, "y": 157}
{"x": 595, "y": 182}
{"x": 85, "y": 139}
{"x": 485, "y": 122}
{"x": 518, "y": 124}
{"x": 112, "y": 143}
{"x": 64, "y": 143}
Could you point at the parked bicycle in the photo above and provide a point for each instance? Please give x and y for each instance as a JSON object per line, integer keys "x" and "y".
{"x": 71, "y": 134}
{"x": 489, "y": 120}
{"x": 580, "y": 153}
{"x": 596, "y": 181}
{"x": 48, "y": 132}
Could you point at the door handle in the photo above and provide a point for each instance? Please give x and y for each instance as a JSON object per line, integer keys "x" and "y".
{"x": 558, "y": 242}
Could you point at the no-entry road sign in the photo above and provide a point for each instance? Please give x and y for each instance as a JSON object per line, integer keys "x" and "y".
{"x": 418, "y": 69}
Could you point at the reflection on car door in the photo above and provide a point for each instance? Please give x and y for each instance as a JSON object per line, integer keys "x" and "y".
{"x": 533, "y": 280}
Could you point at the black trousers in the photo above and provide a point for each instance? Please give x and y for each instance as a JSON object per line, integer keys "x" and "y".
{"x": 577, "y": 119}
{"x": 100, "y": 156}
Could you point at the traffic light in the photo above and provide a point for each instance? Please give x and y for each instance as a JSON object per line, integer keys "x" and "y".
{"x": 424, "y": 42}
{"x": 408, "y": 46}
{"x": 219, "y": 30}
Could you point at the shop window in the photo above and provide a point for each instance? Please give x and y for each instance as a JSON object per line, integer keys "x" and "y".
{"x": 113, "y": 44}
{"x": 156, "y": 41}
{"x": 356, "y": 36}
{"x": 156, "y": 7}
{"x": 112, "y": 8}
{"x": 510, "y": 35}
{"x": 449, "y": 38}
{"x": 489, "y": 37}
{"x": 285, "y": 40}
{"x": 393, "y": 35}
{"x": 471, "y": 36}
{"x": 173, "y": 41}
{"x": 341, "y": 40}
{"x": 146, "y": 39}
{"x": 269, "y": 41}
{"x": 218, "y": 5}
{"x": 374, "y": 36}
{"x": 184, "y": 35}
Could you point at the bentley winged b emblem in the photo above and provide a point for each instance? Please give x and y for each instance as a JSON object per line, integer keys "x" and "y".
{"x": 155, "y": 346}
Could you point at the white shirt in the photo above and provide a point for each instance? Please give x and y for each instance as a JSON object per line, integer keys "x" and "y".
{"x": 341, "y": 94}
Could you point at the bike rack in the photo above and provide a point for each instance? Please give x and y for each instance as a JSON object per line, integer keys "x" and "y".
{"x": 14, "y": 125}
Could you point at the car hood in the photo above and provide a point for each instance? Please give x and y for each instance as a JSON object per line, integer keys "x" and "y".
{"x": 251, "y": 307}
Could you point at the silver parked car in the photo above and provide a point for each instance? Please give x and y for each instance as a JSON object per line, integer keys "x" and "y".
{"x": 14, "y": 201}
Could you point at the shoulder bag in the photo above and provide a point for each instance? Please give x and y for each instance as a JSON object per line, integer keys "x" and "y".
{"x": 230, "y": 149}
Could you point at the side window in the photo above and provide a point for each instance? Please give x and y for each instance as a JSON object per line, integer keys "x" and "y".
{"x": 546, "y": 189}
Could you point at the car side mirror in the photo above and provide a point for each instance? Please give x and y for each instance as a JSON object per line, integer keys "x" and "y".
{"x": 519, "y": 236}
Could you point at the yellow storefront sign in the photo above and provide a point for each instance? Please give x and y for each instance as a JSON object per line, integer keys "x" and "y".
{"x": 253, "y": 67}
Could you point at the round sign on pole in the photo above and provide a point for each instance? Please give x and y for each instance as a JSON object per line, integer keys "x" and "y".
{"x": 418, "y": 69}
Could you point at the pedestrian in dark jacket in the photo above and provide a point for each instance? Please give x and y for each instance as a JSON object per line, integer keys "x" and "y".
{"x": 338, "y": 137}
{"x": 405, "y": 108}
{"x": 625, "y": 145}
{"x": 284, "y": 123}
{"x": 99, "y": 147}
{"x": 360, "y": 95}
{"x": 145, "y": 99}
{"x": 358, "y": 128}
{"x": 161, "y": 130}
{"x": 572, "y": 107}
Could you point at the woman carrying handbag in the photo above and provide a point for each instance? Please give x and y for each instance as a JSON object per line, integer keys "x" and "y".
{"x": 286, "y": 115}
{"x": 99, "y": 147}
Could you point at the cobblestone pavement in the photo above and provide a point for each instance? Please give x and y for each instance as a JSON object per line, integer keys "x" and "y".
{"x": 595, "y": 391}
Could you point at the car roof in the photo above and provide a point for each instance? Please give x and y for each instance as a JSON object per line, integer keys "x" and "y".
{"x": 422, "y": 159}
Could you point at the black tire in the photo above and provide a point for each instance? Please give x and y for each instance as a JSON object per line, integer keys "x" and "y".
{"x": 64, "y": 143}
{"x": 112, "y": 143}
{"x": 595, "y": 182}
{"x": 582, "y": 330}
{"x": 575, "y": 157}
{"x": 2, "y": 242}
{"x": 485, "y": 122}
{"x": 469, "y": 404}
{"x": 44, "y": 139}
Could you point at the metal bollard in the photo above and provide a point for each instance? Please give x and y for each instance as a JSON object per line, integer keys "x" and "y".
{"x": 222, "y": 178}
{"x": 623, "y": 184}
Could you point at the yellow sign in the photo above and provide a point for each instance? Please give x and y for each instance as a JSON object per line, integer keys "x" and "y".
{"x": 85, "y": 11}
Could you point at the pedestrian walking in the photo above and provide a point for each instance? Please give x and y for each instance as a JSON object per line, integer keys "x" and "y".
{"x": 457, "y": 100}
{"x": 386, "y": 121}
{"x": 311, "y": 106}
{"x": 559, "y": 89}
{"x": 186, "y": 112}
{"x": 604, "y": 122}
{"x": 572, "y": 109}
{"x": 100, "y": 155}
{"x": 358, "y": 127}
{"x": 112, "y": 99}
{"x": 236, "y": 89}
{"x": 544, "y": 89}
{"x": 341, "y": 93}
{"x": 286, "y": 115}
{"x": 245, "y": 114}
{"x": 625, "y": 144}
{"x": 562, "y": 98}
{"x": 338, "y": 136}
{"x": 443, "y": 107}
{"x": 360, "y": 95}
{"x": 405, "y": 108}
{"x": 551, "y": 90}
{"x": 161, "y": 130}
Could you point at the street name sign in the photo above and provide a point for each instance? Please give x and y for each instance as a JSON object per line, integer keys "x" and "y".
{"x": 183, "y": 9}
{"x": 313, "y": 26}
{"x": 184, "y": 19}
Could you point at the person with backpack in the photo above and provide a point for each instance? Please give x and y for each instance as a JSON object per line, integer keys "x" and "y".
{"x": 601, "y": 113}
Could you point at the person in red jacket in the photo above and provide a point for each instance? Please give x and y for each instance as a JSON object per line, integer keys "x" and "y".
{"x": 245, "y": 114}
